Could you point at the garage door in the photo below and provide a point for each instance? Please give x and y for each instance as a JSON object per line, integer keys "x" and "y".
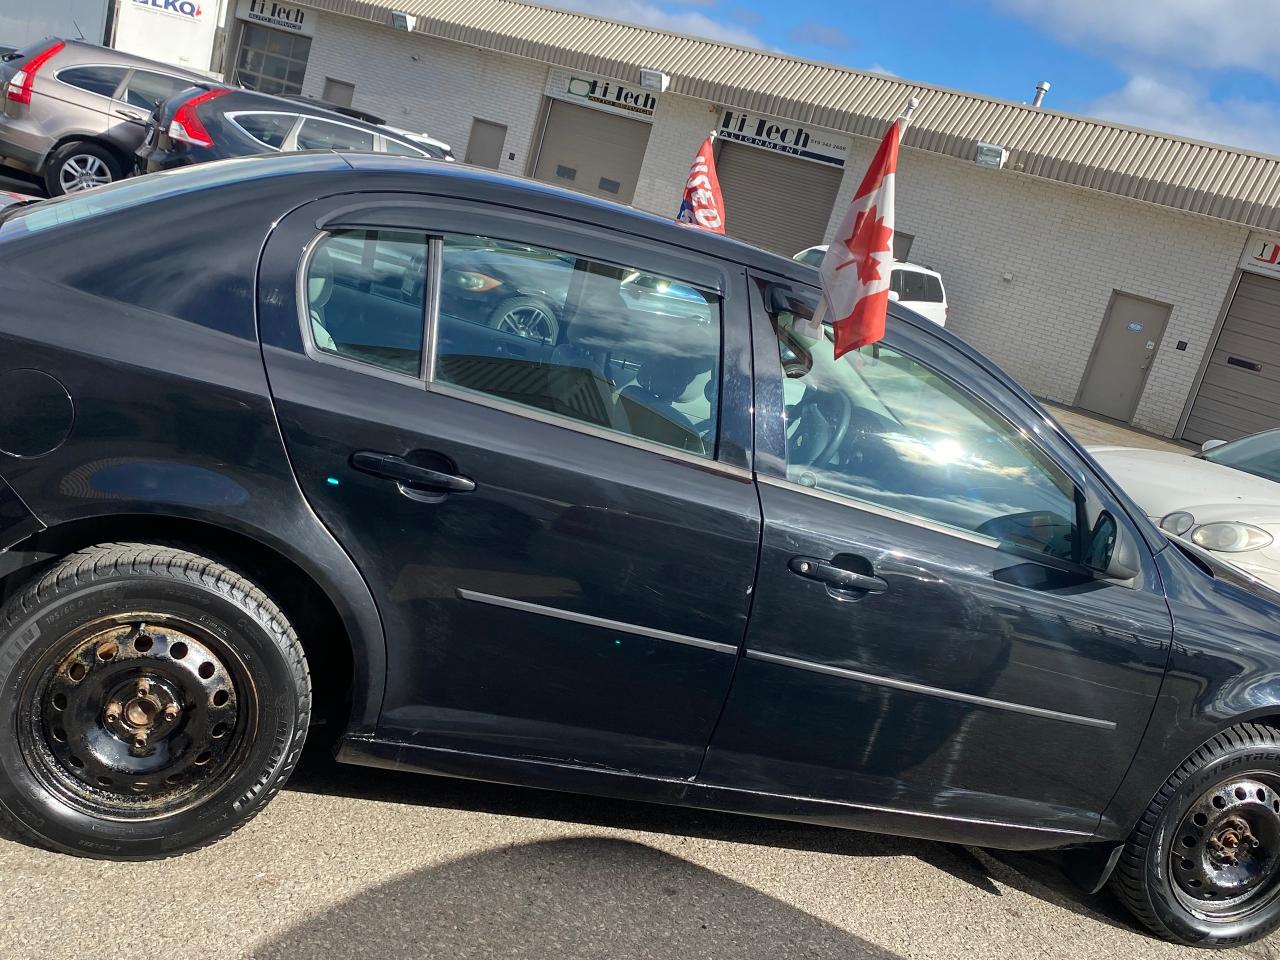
{"x": 592, "y": 151}
{"x": 1241, "y": 389}
{"x": 775, "y": 201}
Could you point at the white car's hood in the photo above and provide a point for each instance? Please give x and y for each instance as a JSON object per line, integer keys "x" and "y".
{"x": 1162, "y": 481}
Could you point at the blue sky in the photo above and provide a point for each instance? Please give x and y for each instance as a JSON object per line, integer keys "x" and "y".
{"x": 1208, "y": 69}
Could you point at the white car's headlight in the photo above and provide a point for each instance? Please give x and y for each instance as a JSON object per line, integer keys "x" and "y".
{"x": 1177, "y": 523}
{"x": 1231, "y": 537}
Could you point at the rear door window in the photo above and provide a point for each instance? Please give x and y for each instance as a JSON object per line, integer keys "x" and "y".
{"x": 269, "y": 129}
{"x": 315, "y": 134}
{"x": 103, "y": 81}
{"x": 603, "y": 344}
{"x": 146, "y": 89}
{"x": 914, "y": 285}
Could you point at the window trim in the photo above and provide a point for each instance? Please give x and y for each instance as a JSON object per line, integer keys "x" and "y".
{"x": 425, "y": 380}
{"x": 124, "y": 80}
{"x": 234, "y": 119}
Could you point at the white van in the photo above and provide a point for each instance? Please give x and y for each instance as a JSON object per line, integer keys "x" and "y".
{"x": 912, "y": 285}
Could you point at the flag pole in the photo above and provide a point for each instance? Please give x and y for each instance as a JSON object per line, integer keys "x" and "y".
{"x": 905, "y": 116}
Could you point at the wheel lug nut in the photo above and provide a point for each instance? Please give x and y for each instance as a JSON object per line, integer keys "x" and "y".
{"x": 113, "y": 713}
{"x": 140, "y": 742}
{"x": 144, "y": 688}
{"x": 171, "y": 712}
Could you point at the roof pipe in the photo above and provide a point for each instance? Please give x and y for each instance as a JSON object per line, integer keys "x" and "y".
{"x": 1041, "y": 89}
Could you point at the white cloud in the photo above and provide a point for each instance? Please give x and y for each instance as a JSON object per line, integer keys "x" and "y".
{"x": 1182, "y": 107}
{"x": 820, "y": 34}
{"x": 880, "y": 69}
{"x": 1211, "y": 34}
{"x": 689, "y": 22}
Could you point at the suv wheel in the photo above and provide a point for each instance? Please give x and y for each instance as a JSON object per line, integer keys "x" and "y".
{"x": 80, "y": 166}
{"x": 1202, "y": 867}
{"x": 152, "y": 702}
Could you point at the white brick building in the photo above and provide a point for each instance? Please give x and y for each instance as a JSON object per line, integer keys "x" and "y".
{"x": 1099, "y": 266}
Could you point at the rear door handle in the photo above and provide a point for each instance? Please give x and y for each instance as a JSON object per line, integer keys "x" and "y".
{"x": 837, "y": 578}
{"x": 132, "y": 115}
{"x": 390, "y": 467}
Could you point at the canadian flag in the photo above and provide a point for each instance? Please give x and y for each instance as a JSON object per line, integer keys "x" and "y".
{"x": 855, "y": 271}
{"x": 703, "y": 205}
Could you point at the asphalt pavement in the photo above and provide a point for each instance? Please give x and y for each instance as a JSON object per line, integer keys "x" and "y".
{"x": 354, "y": 863}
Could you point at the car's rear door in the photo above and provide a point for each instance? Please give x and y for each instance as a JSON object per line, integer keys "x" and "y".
{"x": 547, "y": 493}
{"x": 924, "y": 637}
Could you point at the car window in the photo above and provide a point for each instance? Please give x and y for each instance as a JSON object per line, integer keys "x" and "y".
{"x": 607, "y": 345}
{"x": 317, "y": 134}
{"x": 399, "y": 149}
{"x": 880, "y": 427}
{"x": 365, "y": 297}
{"x": 269, "y": 129}
{"x": 146, "y": 89}
{"x": 100, "y": 80}
{"x": 1258, "y": 454}
{"x": 913, "y": 285}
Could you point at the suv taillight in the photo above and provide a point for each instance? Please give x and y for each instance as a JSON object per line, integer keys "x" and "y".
{"x": 18, "y": 89}
{"x": 186, "y": 126}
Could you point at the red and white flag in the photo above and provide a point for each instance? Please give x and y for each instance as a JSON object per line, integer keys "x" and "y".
{"x": 855, "y": 271}
{"x": 703, "y": 206}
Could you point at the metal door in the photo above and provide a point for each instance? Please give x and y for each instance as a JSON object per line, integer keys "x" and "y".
{"x": 484, "y": 147}
{"x": 1122, "y": 357}
{"x": 592, "y": 151}
{"x": 759, "y": 210}
{"x": 1240, "y": 393}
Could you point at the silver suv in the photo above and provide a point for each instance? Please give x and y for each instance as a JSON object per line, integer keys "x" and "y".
{"x": 74, "y": 112}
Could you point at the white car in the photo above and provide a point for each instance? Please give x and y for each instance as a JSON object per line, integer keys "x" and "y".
{"x": 1225, "y": 498}
{"x": 436, "y": 149}
{"x": 915, "y": 287}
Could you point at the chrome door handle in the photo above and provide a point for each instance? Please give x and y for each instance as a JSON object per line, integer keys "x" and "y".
{"x": 837, "y": 578}
{"x": 390, "y": 467}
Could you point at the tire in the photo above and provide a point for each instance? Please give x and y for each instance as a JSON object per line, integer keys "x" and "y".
{"x": 152, "y": 701}
{"x": 1187, "y": 872}
{"x": 74, "y": 165}
{"x": 526, "y": 317}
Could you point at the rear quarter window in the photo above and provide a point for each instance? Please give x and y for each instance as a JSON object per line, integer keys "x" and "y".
{"x": 100, "y": 80}
{"x": 269, "y": 129}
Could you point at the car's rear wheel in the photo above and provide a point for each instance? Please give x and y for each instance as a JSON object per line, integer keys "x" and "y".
{"x": 152, "y": 699}
{"x": 526, "y": 317}
{"x": 1202, "y": 867}
{"x": 80, "y": 166}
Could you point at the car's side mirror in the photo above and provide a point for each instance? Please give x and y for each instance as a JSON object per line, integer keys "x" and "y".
{"x": 1210, "y": 444}
{"x": 1111, "y": 553}
{"x": 893, "y": 295}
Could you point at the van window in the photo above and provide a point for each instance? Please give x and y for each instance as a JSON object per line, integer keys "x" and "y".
{"x": 914, "y": 285}
{"x": 598, "y": 343}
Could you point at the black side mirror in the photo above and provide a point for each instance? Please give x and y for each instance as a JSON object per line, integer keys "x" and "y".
{"x": 1111, "y": 553}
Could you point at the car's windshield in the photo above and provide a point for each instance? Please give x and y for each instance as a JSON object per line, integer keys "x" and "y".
{"x": 1258, "y": 455}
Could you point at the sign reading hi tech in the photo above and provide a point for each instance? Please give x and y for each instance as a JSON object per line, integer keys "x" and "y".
{"x": 602, "y": 93}
{"x": 273, "y": 13}
{"x": 783, "y": 136}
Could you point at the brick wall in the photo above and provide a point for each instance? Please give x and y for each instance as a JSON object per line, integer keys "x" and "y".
{"x": 1066, "y": 249}
{"x": 429, "y": 86}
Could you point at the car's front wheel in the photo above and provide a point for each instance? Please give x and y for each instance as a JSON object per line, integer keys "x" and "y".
{"x": 1202, "y": 867}
{"x": 151, "y": 702}
{"x": 78, "y": 166}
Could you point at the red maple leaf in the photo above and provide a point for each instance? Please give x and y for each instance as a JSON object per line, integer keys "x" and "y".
{"x": 870, "y": 236}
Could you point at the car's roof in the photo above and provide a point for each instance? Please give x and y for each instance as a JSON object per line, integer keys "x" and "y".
{"x": 87, "y": 52}
{"x": 481, "y": 184}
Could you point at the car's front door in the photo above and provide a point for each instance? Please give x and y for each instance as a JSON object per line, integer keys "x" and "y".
{"x": 925, "y": 636}
{"x": 545, "y": 493}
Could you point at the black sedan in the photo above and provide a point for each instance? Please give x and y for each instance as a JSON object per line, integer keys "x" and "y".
{"x": 260, "y": 471}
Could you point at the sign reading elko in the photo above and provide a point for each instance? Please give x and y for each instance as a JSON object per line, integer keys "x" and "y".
{"x": 783, "y": 136}
{"x": 601, "y": 93}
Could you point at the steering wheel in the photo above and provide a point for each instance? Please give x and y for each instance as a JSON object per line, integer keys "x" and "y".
{"x": 818, "y": 434}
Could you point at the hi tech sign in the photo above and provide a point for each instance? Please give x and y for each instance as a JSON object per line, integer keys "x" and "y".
{"x": 783, "y": 136}
{"x": 281, "y": 16}
{"x": 1261, "y": 255}
{"x": 601, "y": 93}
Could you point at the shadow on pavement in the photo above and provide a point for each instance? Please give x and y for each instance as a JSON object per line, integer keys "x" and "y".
{"x": 1036, "y": 875}
{"x": 586, "y": 897}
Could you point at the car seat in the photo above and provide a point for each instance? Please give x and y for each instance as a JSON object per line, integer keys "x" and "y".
{"x": 319, "y": 290}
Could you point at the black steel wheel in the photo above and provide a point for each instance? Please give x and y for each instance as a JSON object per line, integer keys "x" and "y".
{"x": 154, "y": 701}
{"x": 1203, "y": 865}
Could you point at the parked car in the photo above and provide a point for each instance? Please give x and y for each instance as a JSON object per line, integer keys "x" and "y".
{"x": 75, "y": 112}
{"x": 435, "y": 149}
{"x": 915, "y": 287}
{"x": 1225, "y": 498}
{"x": 251, "y": 479}
{"x": 211, "y": 122}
